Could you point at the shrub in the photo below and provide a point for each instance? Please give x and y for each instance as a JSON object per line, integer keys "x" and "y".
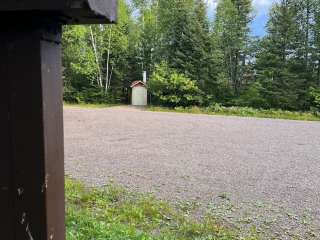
{"x": 91, "y": 96}
{"x": 252, "y": 97}
{"x": 173, "y": 89}
{"x": 71, "y": 95}
{"x": 315, "y": 98}
{"x": 215, "y": 107}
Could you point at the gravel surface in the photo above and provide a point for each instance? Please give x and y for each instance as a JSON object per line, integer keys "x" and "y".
{"x": 247, "y": 163}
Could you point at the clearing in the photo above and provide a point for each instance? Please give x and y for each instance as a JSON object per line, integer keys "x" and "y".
{"x": 261, "y": 172}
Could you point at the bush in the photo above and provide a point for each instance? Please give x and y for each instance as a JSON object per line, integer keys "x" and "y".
{"x": 252, "y": 97}
{"x": 173, "y": 89}
{"x": 91, "y": 95}
{"x": 70, "y": 95}
{"x": 314, "y": 94}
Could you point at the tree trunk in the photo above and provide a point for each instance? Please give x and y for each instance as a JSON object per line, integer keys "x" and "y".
{"x": 95, "y": 50}
{"x": 308, "y": 13}
{"x": 109, "y": 80}
{"x": 108, "y": 60}
{"x": 236, "y": 74}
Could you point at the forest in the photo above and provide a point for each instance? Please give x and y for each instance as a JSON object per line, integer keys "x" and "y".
{"x": 192, "y": 59}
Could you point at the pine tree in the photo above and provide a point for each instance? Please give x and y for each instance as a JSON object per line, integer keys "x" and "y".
{"x": 304, "y": 63}
{"x": 316, "y": 41}
{"x": 276, "y": 62}
{"x": 231, "y": 30}
{"x": 180, "y": 39}
{"x": 188, "y": 40}
{"x": 304, "y": 22}
{"x": 202, "y": 45}
{"x": 147, "y": 29}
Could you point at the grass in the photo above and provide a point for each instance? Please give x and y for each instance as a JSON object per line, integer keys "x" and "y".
{"x": 113, "y": 213}
{"x": 220, "y": 110}
{"x": 90, "y": 105}
{"x": 243, "y": 112}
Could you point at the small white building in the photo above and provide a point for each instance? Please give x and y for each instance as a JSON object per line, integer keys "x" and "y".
{"x": 139, "y": 95}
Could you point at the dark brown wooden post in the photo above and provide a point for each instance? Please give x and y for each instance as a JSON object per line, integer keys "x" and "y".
{"x": 31, "y": 125}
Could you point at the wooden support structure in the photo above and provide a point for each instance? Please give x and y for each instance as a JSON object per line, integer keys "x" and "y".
{"x": 31, "y": 123}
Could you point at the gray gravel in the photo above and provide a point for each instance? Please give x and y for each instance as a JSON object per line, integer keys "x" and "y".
{"x": 254, "y": 162}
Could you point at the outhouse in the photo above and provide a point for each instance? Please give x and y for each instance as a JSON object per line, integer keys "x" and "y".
{"x": 139, "y": 96}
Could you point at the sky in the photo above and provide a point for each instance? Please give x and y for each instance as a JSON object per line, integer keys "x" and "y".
{"x": 261, "y": 8}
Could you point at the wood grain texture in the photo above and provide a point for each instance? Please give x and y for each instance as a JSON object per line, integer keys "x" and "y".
{"x": 32, "y": 176}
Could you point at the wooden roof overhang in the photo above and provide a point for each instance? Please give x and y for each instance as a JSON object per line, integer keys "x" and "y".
{"x": 65, "y": 11}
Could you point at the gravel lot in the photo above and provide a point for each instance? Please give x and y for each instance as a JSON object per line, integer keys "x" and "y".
{"x": 271, "y": 165}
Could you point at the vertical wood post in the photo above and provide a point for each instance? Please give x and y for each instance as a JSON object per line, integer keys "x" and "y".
{"x": 31, "y": 134}
{"x": 31, "y": 115}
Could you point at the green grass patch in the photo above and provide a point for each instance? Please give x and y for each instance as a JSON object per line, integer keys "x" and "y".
{"x": 90, "y": 105}
{"x": 113, "y": 213}
{"x": 243, "y": 112}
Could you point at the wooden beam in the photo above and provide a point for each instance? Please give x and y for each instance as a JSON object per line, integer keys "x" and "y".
{"x": 31, "y": 122}
{"x": 6, "y": 220}
{"x": 32, "y": 171}
{"x": 66, "y": 11}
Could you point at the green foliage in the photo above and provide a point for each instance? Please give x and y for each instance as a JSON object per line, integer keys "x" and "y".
{"x": 187, "y": 40}
{"x": 91, "y": 95}
{"x": 95, "y": 60}
{"x": 315, "y": 98}
{"x": 223, "y": 59}
{"x": 114, "y": 213}
{"x": 274, "y": 65}
{"x": 253, "y": 97}
{"x": 217, "y": 109}
{"x": 78, "y": 58}
{"x": 286, "y": 62}
{"x": 231, "y": 38}
{"x": 174, "y": 89}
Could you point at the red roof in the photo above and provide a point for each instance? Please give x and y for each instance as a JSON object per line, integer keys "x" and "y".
{"x": 138, "y": 83}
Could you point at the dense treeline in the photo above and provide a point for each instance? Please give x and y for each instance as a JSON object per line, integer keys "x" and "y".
{"x": 193, "y": 60}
